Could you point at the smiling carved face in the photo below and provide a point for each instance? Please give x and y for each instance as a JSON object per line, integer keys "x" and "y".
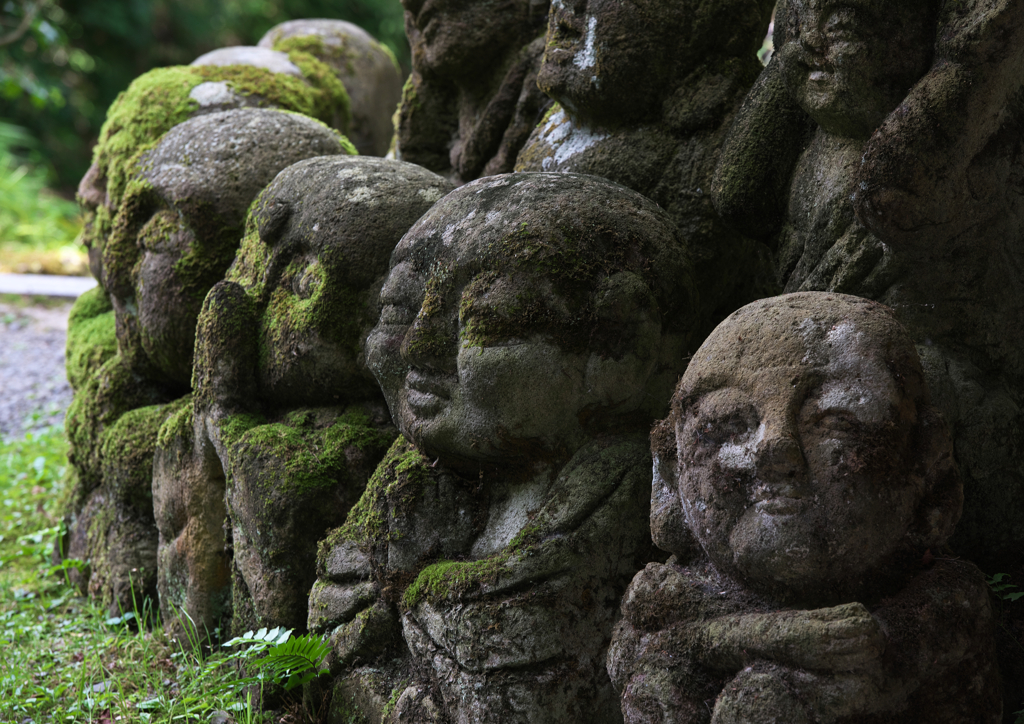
{"x": 849, "y": 63}
{"x": 793, "y": 444}
{"x": 517, "y": 320}
{"x": 465, "y": 396}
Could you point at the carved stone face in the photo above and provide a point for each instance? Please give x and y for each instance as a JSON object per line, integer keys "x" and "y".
{"x": 598, "y": 59}
{"x": 794, "y": 445}
{"x": 849, "y": 63}
{"x": 459, "y": 37}
{"x": 486, "y": 350}
{"x": 182, "y": 219}
{"x": 317, "y": 247}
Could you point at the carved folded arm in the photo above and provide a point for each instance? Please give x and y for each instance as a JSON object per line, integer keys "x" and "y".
{"x": 839, "y": 638}
{"x": 346, "y": 604}
{"x": 751, "y": 183}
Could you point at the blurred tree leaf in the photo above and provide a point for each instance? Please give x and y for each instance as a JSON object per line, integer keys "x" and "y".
{"x": 67, "y": 60}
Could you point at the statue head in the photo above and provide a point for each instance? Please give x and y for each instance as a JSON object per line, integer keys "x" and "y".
{"x": 314, "y": 256}
{"x": 525, "y": 313}
{"x": 609, "y": 60}
{"x": 849, "y": 64}
{"x": 806, "y": 452}
{"x": 157, "y": 101}
{"x": 459, "y": 39}
{"x": 366, "y": 68}
{"x": 180, "y": 222}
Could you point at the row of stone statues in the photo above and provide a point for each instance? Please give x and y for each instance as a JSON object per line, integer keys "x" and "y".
{"x": 406, "y": 403}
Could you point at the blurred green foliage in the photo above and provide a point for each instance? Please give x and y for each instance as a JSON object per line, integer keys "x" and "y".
{"x": 29, "y": 213}
{"x": 62, "y": 62}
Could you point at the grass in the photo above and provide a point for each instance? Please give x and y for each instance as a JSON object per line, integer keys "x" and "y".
{"x": 62, "y": 659}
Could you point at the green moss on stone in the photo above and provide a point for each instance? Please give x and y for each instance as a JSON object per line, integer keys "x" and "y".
{"x": 233, "y": 427}
{"x": 311, "y": 459}
{"x": 396, "y": 694}
{"x": 450, "y": 579}
{"x": 92, "y": 337}
{"x": 398, "y": 477}
{"x": 127, "y": 454}
{"x": 178, "y": 423}
{"x": 158, "y": 100}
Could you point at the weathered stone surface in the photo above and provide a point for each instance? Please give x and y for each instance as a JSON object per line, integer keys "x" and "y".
{"x": 814, "y": 481}
{"x": 645, "y": 96}
{"x": 158, "y": 100}
{"x": 182, "y": 220}
{"x": 913, "y": 112}
{"x": 366, "y": 68}
{"x": 472, "y": 99}
{"x": 283, "y": 396}
{"x": 527, "y": 337}
{"x": 272, "y": 60}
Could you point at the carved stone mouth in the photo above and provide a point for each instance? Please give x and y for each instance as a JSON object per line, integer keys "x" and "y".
{"x": 781, "y": 506}
{"x": 427, "y": 393}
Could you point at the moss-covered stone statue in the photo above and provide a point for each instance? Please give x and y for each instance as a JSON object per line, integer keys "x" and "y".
{"x": 177, "y": 227}
{"x": 472, "y": 99}
{"x": 158, "y": 100}
{"x": 880, "y": 154}
{"x": 528, "y": 334}
{"x": 805, "y": 485}
{"x": 287, "y": 423}
{"x": 645, "y": 93}
{"x": 366, "y": 68}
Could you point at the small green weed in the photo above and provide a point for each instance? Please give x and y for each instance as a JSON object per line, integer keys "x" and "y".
{"x": 1001, "y": 586}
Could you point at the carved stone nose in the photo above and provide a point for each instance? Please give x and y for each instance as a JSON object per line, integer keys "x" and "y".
{"x": 429, "y": 343}
{"x": 780, "y": 456}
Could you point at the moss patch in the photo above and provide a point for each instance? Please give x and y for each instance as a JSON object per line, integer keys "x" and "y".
{"x": 450, "y": 579}
{"x": 92, "y": 337}
{"x": 396, "y": 480}
{"x": 127, "y": 455}
{"x": 178, "y": 423}
{"x": 158, "y": 100}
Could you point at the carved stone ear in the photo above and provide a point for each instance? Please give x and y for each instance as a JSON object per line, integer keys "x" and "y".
{"x": 936, "y": 469}
{"x": 273, "y": 219}
{"x": 669, "y": 530}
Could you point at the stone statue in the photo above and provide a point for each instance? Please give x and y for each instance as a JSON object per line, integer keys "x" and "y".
{"x": 645, "y": 93}
{"x": 287, "y": 424}
{"x": 805, "y": 485}
{"x": 178, "y": 224}
{"x": 158, "y": 100}
{"x": 528, "y": 335}
{"x": 366, "y": 68}
{"x": 912, "y": 112}
{"x": 472, "y": 98}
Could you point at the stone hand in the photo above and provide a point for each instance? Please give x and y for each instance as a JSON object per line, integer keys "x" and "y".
{"x": 839, "y": 638}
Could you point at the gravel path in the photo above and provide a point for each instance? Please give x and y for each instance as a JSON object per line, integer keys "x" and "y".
{"x": 34, "y": 392}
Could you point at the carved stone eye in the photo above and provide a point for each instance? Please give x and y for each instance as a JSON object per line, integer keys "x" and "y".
{"x": 308, "y": 282}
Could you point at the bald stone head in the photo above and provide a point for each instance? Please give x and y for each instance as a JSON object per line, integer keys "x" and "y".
{"x": 181, "y": 221}
{"x": 807, "y": 453}
{"x": 527, "y": 312}
{"x": 315, "y": 253}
